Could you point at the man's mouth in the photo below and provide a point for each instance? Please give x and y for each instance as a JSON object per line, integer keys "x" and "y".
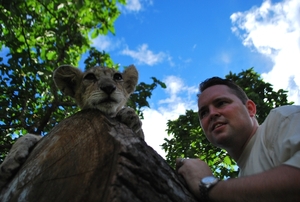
{"x": 217, "y": 125}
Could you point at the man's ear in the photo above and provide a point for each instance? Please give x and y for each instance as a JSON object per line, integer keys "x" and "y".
{"x": 251, "y": 106}
{"x": 130, "y": 78}
{"x": 67, "y": 79}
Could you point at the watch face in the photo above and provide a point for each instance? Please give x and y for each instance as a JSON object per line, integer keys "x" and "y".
{"x": 210, "y": 180}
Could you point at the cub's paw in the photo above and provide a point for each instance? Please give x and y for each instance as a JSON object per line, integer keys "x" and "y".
{"x": 131, "y": 119}
{"x": 17, "y": 156}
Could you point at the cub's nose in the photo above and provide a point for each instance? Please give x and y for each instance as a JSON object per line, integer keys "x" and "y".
{"x": 108, "y": 89}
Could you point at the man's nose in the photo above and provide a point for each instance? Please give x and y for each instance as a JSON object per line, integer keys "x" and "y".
{"x": 213, "y": 113}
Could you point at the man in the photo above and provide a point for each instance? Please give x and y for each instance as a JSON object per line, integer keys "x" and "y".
{"x": 268, "y": 155}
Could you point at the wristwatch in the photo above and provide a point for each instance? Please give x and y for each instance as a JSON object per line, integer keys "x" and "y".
{"x": 205, "y": 185}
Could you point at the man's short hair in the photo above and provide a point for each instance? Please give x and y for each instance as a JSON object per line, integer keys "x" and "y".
{"x": 234, "y": 88}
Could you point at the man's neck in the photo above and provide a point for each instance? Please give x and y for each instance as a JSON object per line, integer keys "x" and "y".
{"x": 236, "y": 152}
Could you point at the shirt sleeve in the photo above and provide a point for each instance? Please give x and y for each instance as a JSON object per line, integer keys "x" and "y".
{"x": 287, "y": 140}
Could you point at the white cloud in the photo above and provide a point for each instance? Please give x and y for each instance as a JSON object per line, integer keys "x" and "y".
{"x": 175, "y": 87}
{"x": 170, "y": 60}
{"x": 274, "y": 31}
{"x": 179, "y": 98}
{"x": 134, "y": 6}
{"x": 106, "y": 43}
{"x": 194, "y": 47}
{"x": 145, "y": 56}
{"x": 142, "y": 55}
{"x": 225, "y": 58}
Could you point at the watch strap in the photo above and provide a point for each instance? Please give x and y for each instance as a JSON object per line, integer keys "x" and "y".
{"x": 205, "y": 188}
{"x": 203, "y": 193}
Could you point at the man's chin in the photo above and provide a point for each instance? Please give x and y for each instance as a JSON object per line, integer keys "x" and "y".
{"x": 220, "y": 140}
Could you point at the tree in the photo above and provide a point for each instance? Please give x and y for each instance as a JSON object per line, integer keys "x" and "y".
{"x": 188, "y": 140}
{"x": 37, "y": 36}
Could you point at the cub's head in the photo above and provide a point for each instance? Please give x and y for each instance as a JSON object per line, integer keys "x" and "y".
{"x": 99, "y": 88}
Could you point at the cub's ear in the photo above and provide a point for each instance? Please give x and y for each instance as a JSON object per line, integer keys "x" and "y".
{"x": 130, "y": 78}
{"x": 67, "y": 79}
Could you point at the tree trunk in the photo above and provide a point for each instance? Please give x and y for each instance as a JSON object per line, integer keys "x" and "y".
{"x": 89, "y": 157}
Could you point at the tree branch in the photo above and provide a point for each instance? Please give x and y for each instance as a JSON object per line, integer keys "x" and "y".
{"x": 5, "y": 127}
{"x": 24, "y": 34}
{"x": 67, "y": 104}
{"x": 44, "y": 121}
{"x": 5, "y": 146}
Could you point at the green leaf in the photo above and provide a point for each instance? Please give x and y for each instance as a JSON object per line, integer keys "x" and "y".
{"x": 51, "y": 55}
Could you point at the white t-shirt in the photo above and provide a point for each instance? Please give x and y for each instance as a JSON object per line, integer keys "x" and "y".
{"x": 276, "y": 142}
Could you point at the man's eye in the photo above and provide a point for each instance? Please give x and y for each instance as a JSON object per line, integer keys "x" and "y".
{"x": 90, "y": 76}
{"x": 202, "y": 114}
{"x": 118, "y": 77}
{"x": 221, "y": 103}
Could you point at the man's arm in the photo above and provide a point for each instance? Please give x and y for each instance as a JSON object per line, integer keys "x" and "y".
{"x": 278, "y": 184}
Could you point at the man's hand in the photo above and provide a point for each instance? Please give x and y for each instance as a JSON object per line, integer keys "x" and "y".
{"x": 193, "y": 170}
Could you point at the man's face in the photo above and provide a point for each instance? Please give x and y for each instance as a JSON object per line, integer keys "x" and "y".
{"x": 226, "y": 121}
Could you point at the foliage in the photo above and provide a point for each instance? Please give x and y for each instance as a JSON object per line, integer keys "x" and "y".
{"x": 260, "y": 92}
{"x": 38, "y": 36}
{"x": 188, "y": 140}
{"x": 142, "y": 92}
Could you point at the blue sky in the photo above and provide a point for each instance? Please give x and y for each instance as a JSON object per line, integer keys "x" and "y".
{"x": 184, "y": 42}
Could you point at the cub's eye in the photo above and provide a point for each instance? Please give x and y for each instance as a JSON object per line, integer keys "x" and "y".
{"x": 90, "y": 76}
{"x": 118, "y": 77}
